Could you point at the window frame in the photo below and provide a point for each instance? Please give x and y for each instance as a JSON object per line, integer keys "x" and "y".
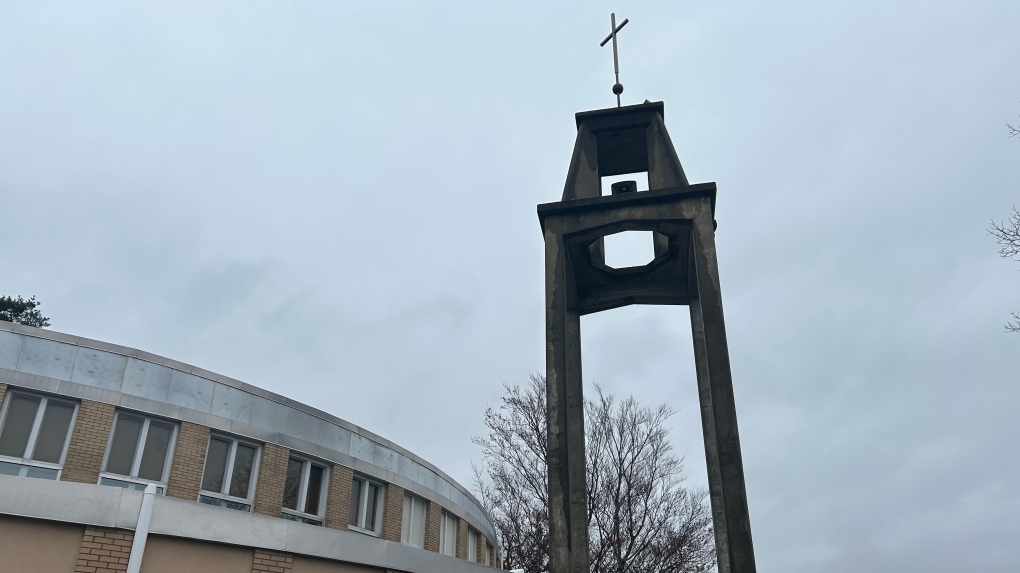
{"x": 363, "y": 506}
{"x": 409, "y": 519}
{"x": 33, "y": 435}
{"x": 447, "y": 518}
{"x": 306, "y": 472}
{"x": 472, "y": 545}
{"x": 228, "y": 472}
{"x": 136, "y": 459}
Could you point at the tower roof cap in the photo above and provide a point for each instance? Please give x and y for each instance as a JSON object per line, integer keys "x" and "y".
{"x": 656, "y": 106}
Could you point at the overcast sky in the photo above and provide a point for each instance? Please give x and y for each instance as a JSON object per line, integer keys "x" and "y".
{"x": 336, "y": 202}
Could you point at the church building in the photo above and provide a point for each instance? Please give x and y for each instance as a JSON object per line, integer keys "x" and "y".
{"x": 113, "y": 458}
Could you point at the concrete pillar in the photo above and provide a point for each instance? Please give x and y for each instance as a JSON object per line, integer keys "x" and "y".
{"x": 568, "y": 492}
{"x": 734, "y": 550}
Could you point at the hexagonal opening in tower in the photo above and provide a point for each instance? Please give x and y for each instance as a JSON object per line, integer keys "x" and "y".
{"x": 629, "y": 249}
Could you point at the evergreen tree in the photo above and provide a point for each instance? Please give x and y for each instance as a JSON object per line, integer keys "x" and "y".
{"x": 22, "y": 311}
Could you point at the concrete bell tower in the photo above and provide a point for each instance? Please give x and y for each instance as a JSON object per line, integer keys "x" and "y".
{"x": 684, "y": 271}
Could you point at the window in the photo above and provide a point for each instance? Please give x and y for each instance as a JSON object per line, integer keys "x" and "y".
{"x": 472, "y": 546}
{"x": 304, "y": 492}
{"x": 229, "y": 475}
{"x": 34, "y": 433}
{"x": 488, "y": 555}
{"x": 448, "y": 535}
{"x": 138, "y": 452}
{"x": 366, "y": 505}
{"x": 412, "y": 525}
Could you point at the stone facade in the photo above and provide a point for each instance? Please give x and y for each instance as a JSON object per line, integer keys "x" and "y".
{"x": 272, "y": 478}
{"x": 88, "y": 442}
{"x": 189, "y": 460}
{"x": 104, "y": 550}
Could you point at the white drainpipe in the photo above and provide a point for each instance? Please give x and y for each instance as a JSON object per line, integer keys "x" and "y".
{"x": 141, "y": 529}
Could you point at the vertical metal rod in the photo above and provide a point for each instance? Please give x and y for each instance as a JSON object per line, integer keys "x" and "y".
{"x": 616, "y": 59}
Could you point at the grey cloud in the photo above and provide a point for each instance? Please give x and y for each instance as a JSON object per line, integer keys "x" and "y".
{"x": 346, "y": 194}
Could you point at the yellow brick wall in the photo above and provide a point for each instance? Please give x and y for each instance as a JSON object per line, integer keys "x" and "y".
{"x": 462, "y": 538}
{"x": 88, "y": 442}
{"x": 338, "y": 498}
{"x": 480, "y": 548}
{"x": 393, "y": 512}
{"x": 272, "y": 478}
{"x": 189, "y": 459}
{"x": 3, "y": 390}
{"x": 104, "y": 550}
{"x": 272, "y": 562}
{"x": 432, "y": 525}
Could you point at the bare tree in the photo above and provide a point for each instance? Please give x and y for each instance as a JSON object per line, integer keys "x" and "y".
{"x": 1007, "y": 235}
{"x": 515, "y": 493}
{"x": 641, "y": 517}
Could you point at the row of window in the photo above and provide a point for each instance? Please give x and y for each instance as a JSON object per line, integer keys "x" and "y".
{"x": 35, "y": 433}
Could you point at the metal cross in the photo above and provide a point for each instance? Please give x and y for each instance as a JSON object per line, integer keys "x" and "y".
{"x": 617, "y": 87}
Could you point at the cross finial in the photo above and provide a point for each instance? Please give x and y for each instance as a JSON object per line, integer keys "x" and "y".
{"x": 617, "y": 87}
